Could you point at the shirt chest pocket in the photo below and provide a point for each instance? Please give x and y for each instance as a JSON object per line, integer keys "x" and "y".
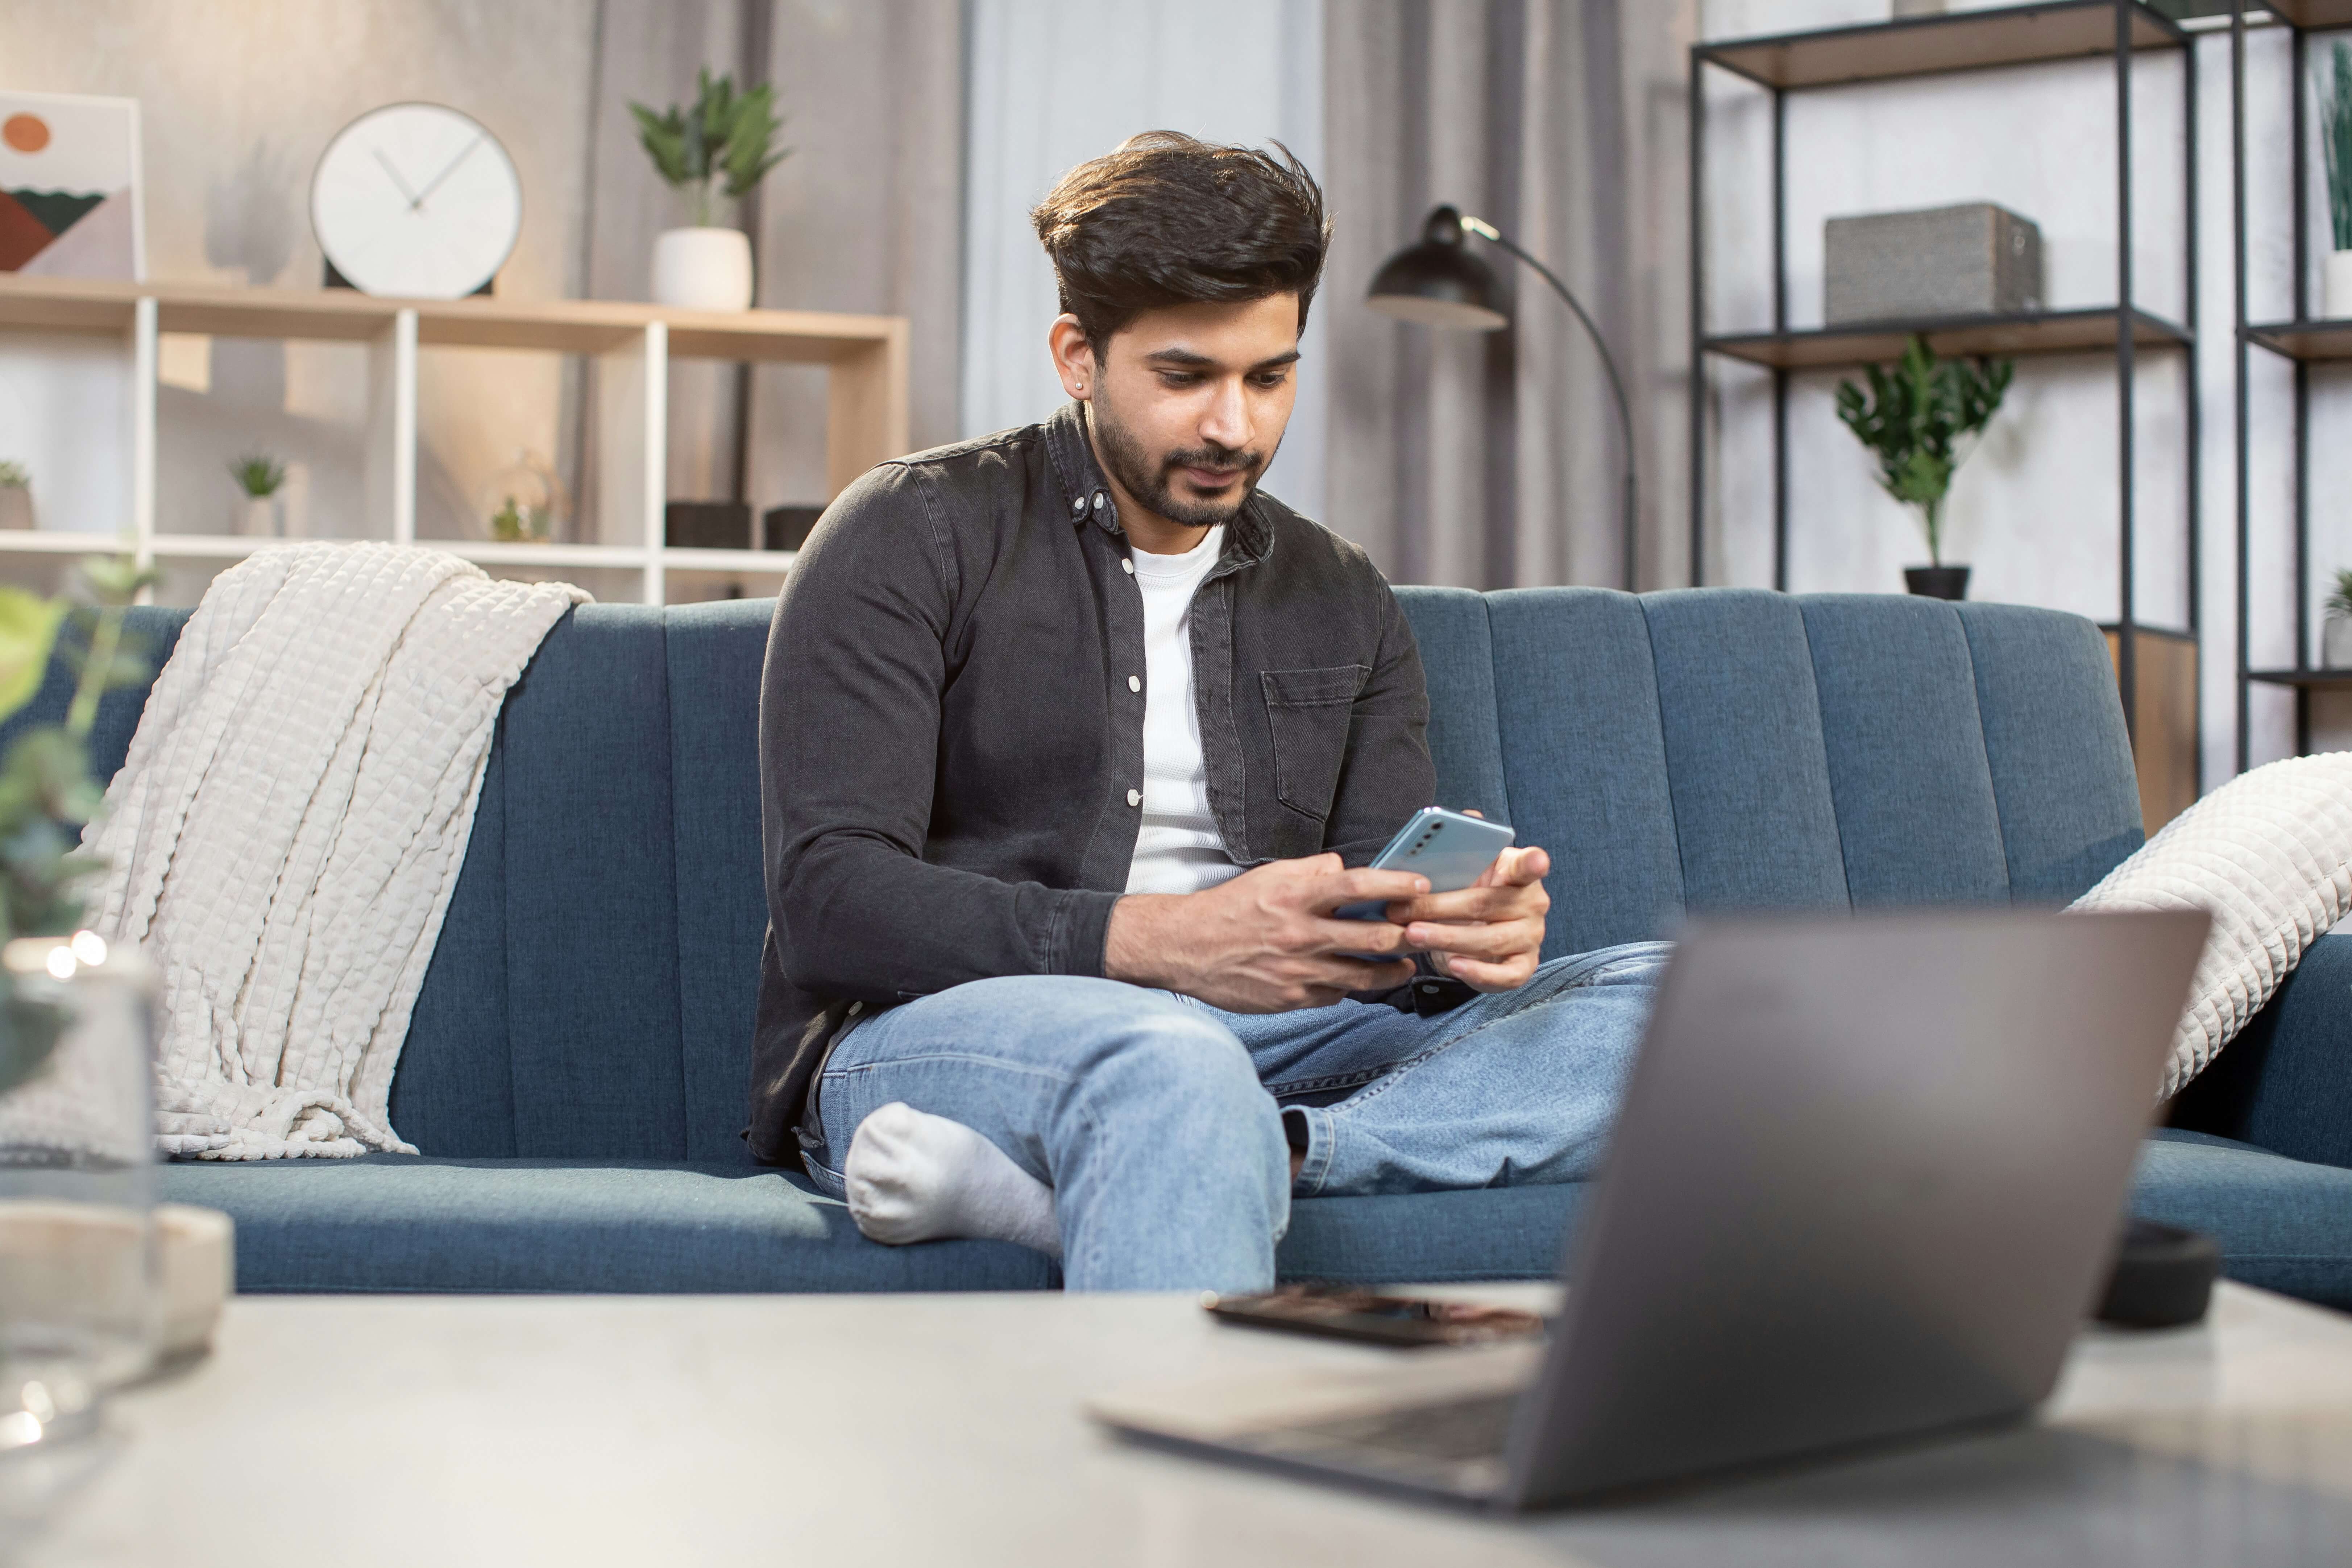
{"x": 1308, "y": 711}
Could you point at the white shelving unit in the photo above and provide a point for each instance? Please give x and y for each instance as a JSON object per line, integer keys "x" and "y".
{"x": 865, "y": 415}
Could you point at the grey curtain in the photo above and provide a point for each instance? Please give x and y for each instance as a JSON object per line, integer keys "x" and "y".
{"x": 1492, "y": 460}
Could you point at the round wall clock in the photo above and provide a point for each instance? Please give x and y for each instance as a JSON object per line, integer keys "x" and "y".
{"x": 418, "y": 200}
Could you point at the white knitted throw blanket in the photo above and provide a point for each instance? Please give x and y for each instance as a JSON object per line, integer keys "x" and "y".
{"x": 2269, "y": 854}
{"x": 285, "y": 834}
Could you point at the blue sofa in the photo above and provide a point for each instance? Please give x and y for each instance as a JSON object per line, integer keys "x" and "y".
{"x": 576, "y": 1069}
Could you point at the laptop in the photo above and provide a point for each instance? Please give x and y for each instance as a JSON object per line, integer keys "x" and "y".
{"x": 1866, "y": 1182}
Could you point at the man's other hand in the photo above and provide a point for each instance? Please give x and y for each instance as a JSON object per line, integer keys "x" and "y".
{"x": 1266, "y": 942}
{"x": 1490, "y": 935}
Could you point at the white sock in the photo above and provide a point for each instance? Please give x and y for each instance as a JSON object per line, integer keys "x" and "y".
{"x": 914, "y": 1177}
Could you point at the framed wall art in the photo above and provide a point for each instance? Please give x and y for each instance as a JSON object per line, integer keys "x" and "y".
{"x": 70, "y": 186}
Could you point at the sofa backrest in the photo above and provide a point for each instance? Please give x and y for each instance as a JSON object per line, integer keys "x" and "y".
{"x": 590, "y": 995}
{"x": 1725, "y": 749}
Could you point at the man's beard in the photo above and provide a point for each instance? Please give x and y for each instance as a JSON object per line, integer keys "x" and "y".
{"x": 1124, "y": 455}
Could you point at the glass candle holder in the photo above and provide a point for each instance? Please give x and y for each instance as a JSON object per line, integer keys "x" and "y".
{"x": 80, "y": 1305}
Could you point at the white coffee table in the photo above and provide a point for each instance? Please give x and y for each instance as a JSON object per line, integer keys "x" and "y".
{"x": 937, "y": 1430}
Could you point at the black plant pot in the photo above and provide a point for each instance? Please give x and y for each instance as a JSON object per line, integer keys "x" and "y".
{"x": 1936, "y": 582}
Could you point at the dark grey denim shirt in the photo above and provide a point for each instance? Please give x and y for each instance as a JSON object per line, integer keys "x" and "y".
{"x": 951, "y": 748}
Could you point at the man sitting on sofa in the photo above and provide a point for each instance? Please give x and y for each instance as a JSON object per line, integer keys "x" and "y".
{"x": 1069, "y": 737}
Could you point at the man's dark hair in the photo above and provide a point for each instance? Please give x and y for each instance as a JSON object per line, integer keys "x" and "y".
{"x": 1168, "y": 219}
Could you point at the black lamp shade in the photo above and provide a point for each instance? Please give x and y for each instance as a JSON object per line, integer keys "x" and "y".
{"x": 1438, "y": 283}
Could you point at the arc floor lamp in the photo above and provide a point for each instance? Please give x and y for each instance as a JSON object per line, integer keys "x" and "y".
{"x": 1438, "y": 282}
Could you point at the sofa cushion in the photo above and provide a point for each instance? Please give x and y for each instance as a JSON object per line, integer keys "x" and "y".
{"x": 715, "y": 653}
{"x": 1585, "y": 756}
{"x": 2286, "y": 1083}
{"x": 1916, "y": 817}
{"x": 2283, "y": 1224}
{"x": 2054, "y": 739}
{"x": 408, "y": 1223}
{"x": 2269, "y": 855}
{"x": 392, "y": 1222}
{"x": 1458, "y": 663}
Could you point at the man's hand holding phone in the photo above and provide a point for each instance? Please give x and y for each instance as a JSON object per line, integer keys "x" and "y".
{"x": 1489, "y": 935}
{"x": 1267, "y": 941}
{"x": 1274, "y": 938}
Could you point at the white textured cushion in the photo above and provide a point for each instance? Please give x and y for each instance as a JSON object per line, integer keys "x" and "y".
{"x": 2269, "y": 855}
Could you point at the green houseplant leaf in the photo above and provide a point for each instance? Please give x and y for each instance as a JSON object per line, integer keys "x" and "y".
{"x": 257, "y": 474}
{"x": 2335, "y": 142}
{"x": 29, "y": 630}
{"x": 725, "y": 138}
{"x": 1917, "y": 418}
{"x": 47, "y": 793}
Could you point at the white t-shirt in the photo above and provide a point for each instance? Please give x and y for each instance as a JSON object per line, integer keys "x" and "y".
{"x": 1177, "y": 849}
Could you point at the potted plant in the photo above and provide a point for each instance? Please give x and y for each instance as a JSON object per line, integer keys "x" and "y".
{"x": 2336, "y": 152}
{"x": 15, "y": 496}
{"x": 80, "y": 1299}
{"x": 523, "y": 502}
{"x": 726, "y": 141}
{"x": 1920, "y": 419}
{"x": 2335, "y": 631}
{"x": 261, "y": 511}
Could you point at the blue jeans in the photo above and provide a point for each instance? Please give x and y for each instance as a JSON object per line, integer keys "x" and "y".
{"x": 1159, "y": 1122}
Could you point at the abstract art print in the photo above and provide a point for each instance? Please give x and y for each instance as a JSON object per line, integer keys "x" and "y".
{"x": 70, "y": 186}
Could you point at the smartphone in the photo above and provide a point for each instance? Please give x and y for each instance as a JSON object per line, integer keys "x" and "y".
{"x": 1351, "y": 1312}
{"x": 1451, "y": 849}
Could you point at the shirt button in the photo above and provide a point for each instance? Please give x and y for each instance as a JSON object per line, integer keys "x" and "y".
{"x": 1133, "y": 684}
{"x": 1127, "y": 567}
{"x": 855, "y": 1008}
{"x": 1098, "y": 501}
{"x": 1135, "y": 797}
{"x": 1078, "y": 507}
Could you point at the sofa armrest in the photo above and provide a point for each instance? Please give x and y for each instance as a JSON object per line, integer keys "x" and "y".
{"x": 2285, "y": 1083}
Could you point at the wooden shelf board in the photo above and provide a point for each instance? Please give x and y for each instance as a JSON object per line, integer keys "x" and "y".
{"x": 559, "y": 326}
{"x": 45, "y": 541}
{"x": 482, "y": 551}
{"x": 501, "y": 553}
{"x": 2314, "y": 12}
{"x": 2048, "y": 331}
{"x": 211, "y": 546}
{"x": 2305, "y": 340}
{"x": 682, "y": 559}
{"x": 2315, "y": 680}
{"x": 485, "y": 552}
{"x": 1920, "y": 45}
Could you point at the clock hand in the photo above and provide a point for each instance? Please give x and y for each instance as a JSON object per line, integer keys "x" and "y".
{"x": 413, "y": 198}
{"x": 435, "y": 182}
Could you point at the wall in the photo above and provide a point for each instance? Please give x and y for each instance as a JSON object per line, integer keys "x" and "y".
{"x": 239, "y": 97}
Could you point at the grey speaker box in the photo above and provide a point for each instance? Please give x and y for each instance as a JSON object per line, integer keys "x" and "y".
{"x": 1977, "y": 259}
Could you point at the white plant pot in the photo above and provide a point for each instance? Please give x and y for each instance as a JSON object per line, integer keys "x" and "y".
{"x": 15, "y": 506}
{"x": 260, "y": 517}
{"x": 703, "y": 270}
{"x": 2336, "y": 643}
{"x": 2336, "y": 286}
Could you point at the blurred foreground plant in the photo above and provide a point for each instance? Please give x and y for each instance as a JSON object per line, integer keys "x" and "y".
{"x": 47, "y": 794}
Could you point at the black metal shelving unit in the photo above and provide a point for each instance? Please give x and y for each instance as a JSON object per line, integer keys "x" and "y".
{"x": 2302, "y": 341}
{"x": 1938, "y": 46}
